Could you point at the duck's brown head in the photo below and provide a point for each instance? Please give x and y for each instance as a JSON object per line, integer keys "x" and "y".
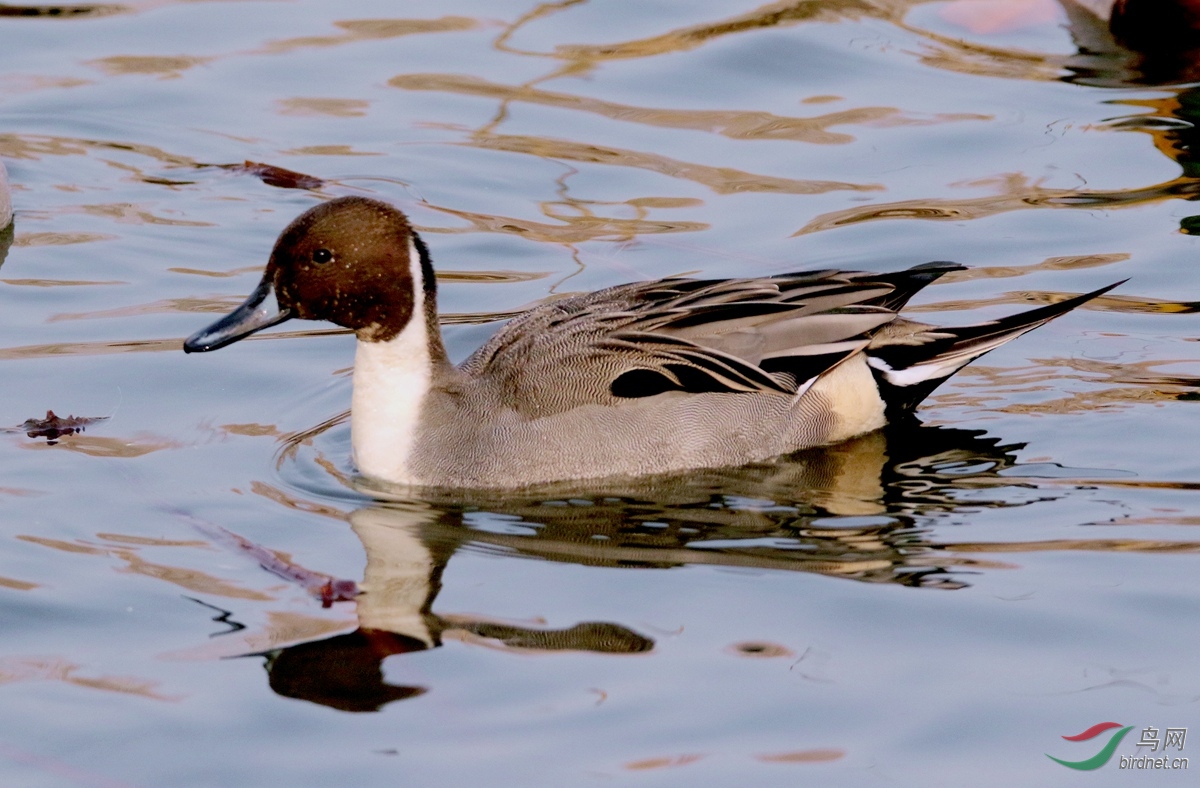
{"x": 353, "y": 261}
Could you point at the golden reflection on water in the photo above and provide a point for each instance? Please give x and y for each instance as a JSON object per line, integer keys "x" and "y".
{"x": 250, "y": 430}
{"x": 164, "y": 67}
{"x": 19, "y": 491}
{"x": 778, "y": 14}
{"x": 246, "y": 269}
{"x": 328, "y": 150}
{"x": 1111, "y": 386}
{"x": 954, "y": 54}
{"x": 60, "y": 239}
{"x": 54, "y": 349}
{"x": 576, "y": 227}
{"x": 34, "y": 146}
{"x": 32, "y": 83}
{"x": 20, "y": 669}
{"x": 1016, "y": 193}
{"x": 735, "y": 124}
{"x": 1105, "y": 545}
{"x": 193, "y": 580}
{"x": 273, "y": 493}
{"x": 1028, "y": 298}
{"x": 58, "y": 282}
{"x": 722, "y": 180}
{"x": 102, "y": 348}
{"x": 329, "y": 107}
{"x": 668, "y": 762}
{"x": 356, "y": 30}
{"x": 1101, "y": 62}
{"x": 202, "y": 305}
{"x": 124, "y": 213}
{"x": 100, "y": 446}
{"x": 1060, "y": 263}
{"x": 823, "y": 755}
{"x": 18, "y": 585}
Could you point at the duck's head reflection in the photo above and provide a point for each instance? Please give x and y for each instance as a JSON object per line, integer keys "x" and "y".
{"x": 846, "y": 511}
{"x": 407, "y": 549}
{"x": 1137, "y": 43}
{"x": 1154, "y": 42}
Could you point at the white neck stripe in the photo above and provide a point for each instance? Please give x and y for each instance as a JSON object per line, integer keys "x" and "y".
{"x": 391, "y": 380}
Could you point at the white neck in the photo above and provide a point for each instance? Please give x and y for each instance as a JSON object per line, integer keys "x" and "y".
{"x": 391, "y": 380}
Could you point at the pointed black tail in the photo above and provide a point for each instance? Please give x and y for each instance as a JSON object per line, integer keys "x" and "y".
{"x": 909, "y": 370}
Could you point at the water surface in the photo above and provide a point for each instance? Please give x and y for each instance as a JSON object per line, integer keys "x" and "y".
{"x": 936, "y": 603}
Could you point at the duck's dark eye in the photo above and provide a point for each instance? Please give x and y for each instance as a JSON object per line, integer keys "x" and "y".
{"x": 322, "y": 256}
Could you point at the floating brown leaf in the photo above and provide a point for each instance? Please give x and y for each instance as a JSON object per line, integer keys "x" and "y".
{"x": 278, "y": 176}
{"x": 54, "y": 427}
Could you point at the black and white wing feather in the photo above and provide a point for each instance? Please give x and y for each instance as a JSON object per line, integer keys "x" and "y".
{"x": 747, "y": 336}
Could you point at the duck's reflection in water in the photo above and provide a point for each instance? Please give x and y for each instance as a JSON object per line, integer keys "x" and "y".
{"x": 6, "y": 240}
{"x": 1131, "y": 42}
{"x": 1137, "y": 43}
{"x": 407, "y": 548}
{"x": 845, "y": 511}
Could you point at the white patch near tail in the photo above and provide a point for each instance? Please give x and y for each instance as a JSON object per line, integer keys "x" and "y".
{"x": 945, "y": 365}
{"x": 853, "y": 398}
{"x": 917, "y": 373}
{"x": 391, "y": 380}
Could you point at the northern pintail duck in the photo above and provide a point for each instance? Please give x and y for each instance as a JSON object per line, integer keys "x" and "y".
{"x": 641, "y": 378}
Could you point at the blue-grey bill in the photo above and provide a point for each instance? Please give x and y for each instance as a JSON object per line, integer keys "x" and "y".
{"x": 261, "y": 310}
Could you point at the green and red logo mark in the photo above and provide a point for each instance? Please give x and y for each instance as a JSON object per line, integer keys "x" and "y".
{"x": 1106, "y": 752}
